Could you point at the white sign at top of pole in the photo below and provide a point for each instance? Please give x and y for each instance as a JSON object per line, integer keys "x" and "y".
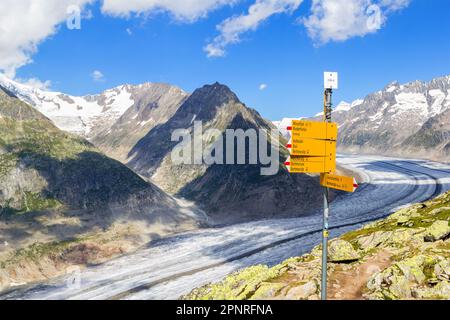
{"x": 331, "y": 80}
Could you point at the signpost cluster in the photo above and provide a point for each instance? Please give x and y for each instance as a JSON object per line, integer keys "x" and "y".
{"x": 312, "y": 149}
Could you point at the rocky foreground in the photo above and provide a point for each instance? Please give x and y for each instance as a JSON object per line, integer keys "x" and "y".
{"x": 406, "y": 256}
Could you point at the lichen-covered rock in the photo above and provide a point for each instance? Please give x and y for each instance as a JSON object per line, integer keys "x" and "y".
{"x": 441, "y": 291}
{"x": 389, "y": 284}
{"x": 413, "y": 268}
{"x": 403, "y": 279}
{"x": 373, "y": 240}
{"x": 267, "y": 291}
{"x": 437, "y": 211}
{"x": 342, "y": 251}
{"x": 442, "y": 270}
{"x": 392, "y": 261}
{"x": 405, "y": 214}
{"x": 238, "y": 286}
{"x": 437, "y": 231}
{"x": 302, "y": 292}
{"x": 401, "y": 236}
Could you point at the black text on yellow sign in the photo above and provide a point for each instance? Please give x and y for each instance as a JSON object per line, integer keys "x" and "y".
{"x": 314, "y": 130}
{"x": 306, "y": 147}
{"x": 347, "y": 184}
{"x": 298, "y": 164}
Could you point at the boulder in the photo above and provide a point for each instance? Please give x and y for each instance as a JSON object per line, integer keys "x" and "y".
{"x": 374, "y": 240}
{"x": 405, "y": 214}
{"x": 442, "y": 270}
{"x": 302, "y": 292}
{"x": 438, "y": 211}
{"x": 437, "y": 231}
{"x": 440, "y": 291}
{"x": 267, "y": 291}
{"x": 389, "y": 284}
{"x": 412, "y": 269}
{"x": 341, "y": 251}
{"x": 401, "y": 280}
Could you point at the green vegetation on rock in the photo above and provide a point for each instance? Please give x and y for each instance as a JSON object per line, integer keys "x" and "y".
{"x": 406, "y": 256}
{"x": 43, "y": 168}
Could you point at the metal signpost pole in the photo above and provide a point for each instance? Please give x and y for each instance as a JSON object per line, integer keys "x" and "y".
{"x": 326, "y": 211}
{"x": 312, "y": 149}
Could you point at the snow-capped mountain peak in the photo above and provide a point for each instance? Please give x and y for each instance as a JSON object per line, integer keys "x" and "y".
{"x": 387, "y": 119}
{"x": 345, "y": 106}
{"x": 392, "y": 87}
{"x": 83, "y": 115}
{"x": 79, "y": 115}
{"x": 22, "y": 91}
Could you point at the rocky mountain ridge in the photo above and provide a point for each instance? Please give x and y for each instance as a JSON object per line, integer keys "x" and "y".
{"x": 91, "y": 115}
{"x": 409, "y": 119}
{"x": 60, "y": 186}
{"x": 224, "y": 191}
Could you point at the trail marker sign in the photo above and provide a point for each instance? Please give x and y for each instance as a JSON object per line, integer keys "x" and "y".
{"x": 314, "y": 130}
{"x": 347, "y": 184}
{"x": 312, "y": 148}
{"x": 296, "y": 164}
{"x": 331, "y": 80}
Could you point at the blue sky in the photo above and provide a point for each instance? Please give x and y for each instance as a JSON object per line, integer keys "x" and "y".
{"x": 412, "y": 43}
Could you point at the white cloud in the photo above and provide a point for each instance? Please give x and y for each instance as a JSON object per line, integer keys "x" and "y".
{"x": 36, "y": 83}
{"x": 128, "y": 30}
{"x": 25, "y": 24}
{"x": 232, "y": 28}
{"x": 263, "y": 86}
{"x": 184, "y": 10}
{"x": 97, "y": 76}
{"x": 339, "y": 20}
{"x": 394, "y": 5}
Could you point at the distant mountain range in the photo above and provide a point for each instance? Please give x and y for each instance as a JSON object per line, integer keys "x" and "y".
{"x": 226, "y": 192}
{"x": 134, "y": 123}
{"x": 401, "y": 120}
{"x": 153, "y": 104}
{"x": 84, "y": 116}
{"x": 409, "y": 119}
{"x": 48, "y": 175}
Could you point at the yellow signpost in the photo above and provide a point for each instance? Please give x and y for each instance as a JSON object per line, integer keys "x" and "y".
{"x": 312, "y": 148}
{"x": 297, "y": 164}
{"x": 347, "y": 184}
{"x": 314, "y": 130}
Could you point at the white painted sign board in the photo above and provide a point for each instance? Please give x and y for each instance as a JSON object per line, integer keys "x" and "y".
{"x": 331, "y": 80}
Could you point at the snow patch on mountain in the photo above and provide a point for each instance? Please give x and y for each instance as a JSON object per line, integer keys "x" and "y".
{"x": 389, "y": 119}
{"x": 406, "y": 102}
{"x": 79, "y": 115}
{"x": 345, "y": 106}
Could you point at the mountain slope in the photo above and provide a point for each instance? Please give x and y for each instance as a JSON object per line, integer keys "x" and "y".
{"x": 399, "y": 117}
{"x": 49, "y": 174}
{"x": 154, "y": 104}
{"x": 226, "y": 192}
{"x": 434, "y": 136}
